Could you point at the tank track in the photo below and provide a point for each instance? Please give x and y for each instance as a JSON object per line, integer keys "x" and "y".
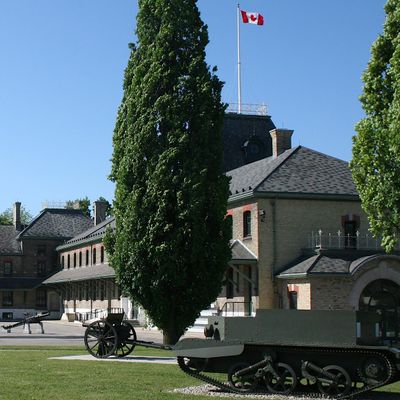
{"x": 227, "y": 388}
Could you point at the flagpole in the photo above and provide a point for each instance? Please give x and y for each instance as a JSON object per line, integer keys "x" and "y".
{"x": 239, "y": 62}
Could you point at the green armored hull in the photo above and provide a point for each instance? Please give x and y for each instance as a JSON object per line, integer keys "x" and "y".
{"x": 337, "y": 353}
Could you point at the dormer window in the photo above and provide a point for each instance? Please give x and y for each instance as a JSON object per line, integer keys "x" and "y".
{"x": 253, "y": 149}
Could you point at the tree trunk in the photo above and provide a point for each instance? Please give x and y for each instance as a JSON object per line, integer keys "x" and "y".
{"x": 171, "y": 334}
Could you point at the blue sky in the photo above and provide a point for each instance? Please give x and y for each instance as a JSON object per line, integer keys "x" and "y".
{"x": 62, "y": 66}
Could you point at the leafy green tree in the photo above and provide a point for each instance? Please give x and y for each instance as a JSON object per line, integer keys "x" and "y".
{"x": 170, "y": 247}
{"x": 109, "y": 210}
{"x": 80, "y": 204}
{"x": 376, "y": 151}
{"x": 6, "y": 217}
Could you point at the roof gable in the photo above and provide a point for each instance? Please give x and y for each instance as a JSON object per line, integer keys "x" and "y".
{"x": 296, "y": 171}
{"x": 57, "y": 223}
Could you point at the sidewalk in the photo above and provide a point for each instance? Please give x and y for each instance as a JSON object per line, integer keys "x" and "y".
{"x": 58, "y": 333}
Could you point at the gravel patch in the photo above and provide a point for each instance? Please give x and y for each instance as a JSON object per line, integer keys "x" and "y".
{"x": 210, "y": 390}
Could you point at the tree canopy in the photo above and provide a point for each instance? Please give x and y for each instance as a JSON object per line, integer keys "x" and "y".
{"x": 170, "y": 247}
{"x": 80, "y": 204}
{"x": 376, "y": 151}
{"x": 6, "y": 217}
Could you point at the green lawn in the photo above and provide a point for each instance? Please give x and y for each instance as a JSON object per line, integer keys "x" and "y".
{"x": 27, "y": 373}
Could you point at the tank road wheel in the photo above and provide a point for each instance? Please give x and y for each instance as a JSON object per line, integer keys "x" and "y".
{"x": 193, "y": 364}
{"x": 374, "y": 370}
{"x": 245, "y": 383}
{"x": 340, "y": 385}
{"x": 100, "y": 339}
{"x": 285, "y": 381}
{"x": 126, "y": 339}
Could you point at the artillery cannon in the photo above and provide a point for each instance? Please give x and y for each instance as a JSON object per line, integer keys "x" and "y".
{"x": 27, "y": 321}
{"x": 113, "y": 336}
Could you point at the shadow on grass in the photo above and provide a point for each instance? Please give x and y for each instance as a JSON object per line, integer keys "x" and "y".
{"x": 379, "y": 396}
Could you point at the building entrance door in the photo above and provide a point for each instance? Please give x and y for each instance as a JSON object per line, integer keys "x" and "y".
{"x": 383, "y": 298}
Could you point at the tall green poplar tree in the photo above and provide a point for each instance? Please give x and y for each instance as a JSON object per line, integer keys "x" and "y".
{"x": 170, "y": 247}
{"x": 376, "y": 150}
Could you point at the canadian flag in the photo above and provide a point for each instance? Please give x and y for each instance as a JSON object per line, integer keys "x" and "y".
{"x": 252, "y": 18}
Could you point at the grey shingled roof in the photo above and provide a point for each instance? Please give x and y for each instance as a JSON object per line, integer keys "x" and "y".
{"x": 81, "y": 274}
{"x": 318, "y": 265}
{"x": 94, "y": 233}
{"x": 296, "y": 171}
{"x": 57, "y": 223}
{"x": 240, "y": 253}
{"x": 8, "y": 240}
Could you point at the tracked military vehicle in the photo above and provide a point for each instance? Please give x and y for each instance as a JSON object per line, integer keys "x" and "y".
{"x": 338, "y": 354}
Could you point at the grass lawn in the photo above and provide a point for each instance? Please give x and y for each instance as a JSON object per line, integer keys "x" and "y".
{"x": 27, "y": 373}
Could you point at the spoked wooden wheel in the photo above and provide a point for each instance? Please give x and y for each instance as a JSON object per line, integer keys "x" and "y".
{"x": 100, "y": 339}
{"x": 285, "y": 380}
{"x": 244, "y": 383}
{"x": 126, "y": 339}
{"x": 340, "y": 385}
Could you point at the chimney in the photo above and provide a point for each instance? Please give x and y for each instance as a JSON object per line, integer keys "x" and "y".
{"x": 281, "y": 141}
{"x": 100, "y": 208}
{"x": 17, "y": 216}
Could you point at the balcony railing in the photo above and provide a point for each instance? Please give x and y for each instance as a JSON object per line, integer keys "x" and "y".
{"x": 338, "y": 240}
{"x": 237, "y": 309}
{"x": 248, "y": 109}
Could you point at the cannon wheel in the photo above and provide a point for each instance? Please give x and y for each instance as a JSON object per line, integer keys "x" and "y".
{"x": 127, "y": 343}
{"x": 101, "y": 339}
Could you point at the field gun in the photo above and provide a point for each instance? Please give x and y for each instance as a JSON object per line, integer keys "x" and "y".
{"x": 27, "y": 321}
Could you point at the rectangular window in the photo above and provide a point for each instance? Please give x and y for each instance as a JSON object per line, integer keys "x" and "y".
{"x": 8, "y": 298}
{"x": 62, "y": 261}
{"x": 229, "y": 284}
{"x": 80, "y": 259}
{"x": 41, "y": 298}
{"x": 292, "y": 300}
{"x": 87, "y": 257}
{"x": 41, "y": 268}
{"x": 41, "y": 250}
{"x": 94, "y": 256}
{"x": 8, "y": 268}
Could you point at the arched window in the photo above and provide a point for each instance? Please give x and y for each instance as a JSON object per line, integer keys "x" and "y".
{"x": 68, "y": 261}
{"x": 87, "y": 257}
{"x": 247, "y": 223}
{"x": 102, "y": 254}
{"x": 383, "y": 298}
{"x": 80, "y": 259}
{"x": 74, "y": 260}
{"x": 94, "y": 256}
{"x": 229, "y": 220}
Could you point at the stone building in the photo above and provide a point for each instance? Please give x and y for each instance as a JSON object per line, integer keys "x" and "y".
{"x": 86, "y": 282}
{"x": 28, "y": 256}
{"x": 300, "y": 239}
